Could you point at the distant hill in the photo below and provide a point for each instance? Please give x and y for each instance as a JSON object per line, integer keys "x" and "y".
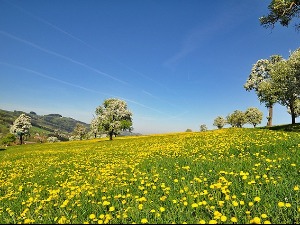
{"x": 44, "y": 123}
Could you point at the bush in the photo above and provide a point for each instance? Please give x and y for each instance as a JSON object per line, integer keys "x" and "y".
{"x": 8, "y": 139}
{"x": 52, "y": 139}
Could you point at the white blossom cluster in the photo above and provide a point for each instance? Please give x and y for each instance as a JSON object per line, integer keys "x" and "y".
{"x": 112, "y": 117}
{"x": 21, "y": 125}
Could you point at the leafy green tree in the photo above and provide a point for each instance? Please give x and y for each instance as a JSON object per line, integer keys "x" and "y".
{"x": 236, "y": 119}
{"x": 21, "y": 126}
{"x": 297, "y": 108}
{"x": 8, "y": 138}
{"x": 219, "y": 122}
{"x": 286, "y": 80}
{"x": 282, "y": 11}
{"x": 254, "y": 116}
{"x": 114, "y": 117}
{"x": 260, "y": 81}
{"x": 188, "y": 130}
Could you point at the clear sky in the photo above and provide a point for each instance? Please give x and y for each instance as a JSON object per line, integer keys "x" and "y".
{"x": 177, "y": 63}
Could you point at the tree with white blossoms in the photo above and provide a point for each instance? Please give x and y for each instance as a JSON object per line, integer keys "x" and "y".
{"x": 79, "y": 131}
{"x": 254, "y": 116}
{"x": 203, "y": 127}
{"x": 94, "y": 127}
{"x": 21, "y": 126}
{"x": 286, "y": 80}
{"x": 114, "y": 117}
{"x": 260, "y": 81}
{"x": 219, "y": 122}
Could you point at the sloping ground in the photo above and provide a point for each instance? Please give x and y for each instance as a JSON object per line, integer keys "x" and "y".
{"x": 285, "y": 127}
{"x": 234, "y": 175}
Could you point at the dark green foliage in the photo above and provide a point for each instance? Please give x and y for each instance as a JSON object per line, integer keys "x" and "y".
{"x": 8, "y": 139}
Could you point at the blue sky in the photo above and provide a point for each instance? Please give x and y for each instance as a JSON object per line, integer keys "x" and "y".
{"x": 178, "y": 64}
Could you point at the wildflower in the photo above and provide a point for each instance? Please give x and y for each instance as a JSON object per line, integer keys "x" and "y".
{"x": 296, "y": 188}
{"x": 281, "y": 204}
{"x": 267, "y": 222}
{"x": 112, "y": 208}
{"x": 105, "y": 203}
{"x": 250, "y": 204}
{"x": 202, "y": 222}
{"x": 255, "y": 220}
{"x": 223, "y": 218}
{"x": 162, "y": 209}
{"x": 194, "y": 205}
{"x": 288, "y": 205}
{"x": 257, "y": 199}
{"x": 264, "y": 216}
{"x": 235, "y": 203}
{"x": 233, "y": 219}
{"x": 92, "y": 216}
{"x": 144, "y": 220}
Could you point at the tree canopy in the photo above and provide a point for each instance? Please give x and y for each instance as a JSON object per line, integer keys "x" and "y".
{"x": 21, "y": 126}
{"x": 114, "y": 117}
{"x": 282, "y": 11}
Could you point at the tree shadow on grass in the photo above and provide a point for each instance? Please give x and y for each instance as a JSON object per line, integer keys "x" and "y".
{"x": 2, "y": 149}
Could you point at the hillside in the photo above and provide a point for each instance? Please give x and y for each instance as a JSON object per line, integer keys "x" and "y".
{"x": 40, "y": 123}
{"x": 225, "y": 176}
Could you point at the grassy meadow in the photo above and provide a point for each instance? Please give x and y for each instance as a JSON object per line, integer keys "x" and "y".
{"x": 233, "y": 175}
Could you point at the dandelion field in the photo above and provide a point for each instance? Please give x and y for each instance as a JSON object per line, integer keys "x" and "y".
{"x": 224, "y": 176}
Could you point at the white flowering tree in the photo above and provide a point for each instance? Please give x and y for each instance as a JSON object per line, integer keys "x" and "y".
{"x": 254, "y": 116}
{"x": 21, "y": 126}
{"x": 260, "y": 81}
{"x": 219, "y": 122}
{"x": 79, "y": 131}
{"x": 114, "y": 117}
{"x": 94, "y": 127}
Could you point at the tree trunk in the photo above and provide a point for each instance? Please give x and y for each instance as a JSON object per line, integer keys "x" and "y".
{"x": 293, "y": 114}
{"x": 270, "y": 117}
{"x": 21, "y": 139}
{"x": 111, "y": 135}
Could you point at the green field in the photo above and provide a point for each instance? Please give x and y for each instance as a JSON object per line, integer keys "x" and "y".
{"x": 234, "y": 175}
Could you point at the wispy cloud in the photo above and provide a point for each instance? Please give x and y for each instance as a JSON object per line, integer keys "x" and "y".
{"x": 78, "y": 86}
{"x": 61, "y": 56}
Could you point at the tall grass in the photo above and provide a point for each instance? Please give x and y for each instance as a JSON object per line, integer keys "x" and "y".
{"x": 222, "y": 176}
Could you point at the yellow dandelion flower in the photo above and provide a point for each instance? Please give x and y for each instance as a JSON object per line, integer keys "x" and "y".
{"x": 162, "y": 209}
{"x": 257, "y": 199}
{"x": 194, "y": 205}
{"x": 233, "y": 219}
{"x": 264, "y": 216}
{"x": 255, "y": 220}
{"x": 112, "y": 208}
{"x": 250, "y": 204}
{"x": 288, "y": 205}
{"x": 223, "y": 218}
{"x": 202, "y": 222}
{"x": 296, "y": 188}
{"x": 267, "y": 222}
{"x": 212, "y": 222}
{"x": 92, "y": 216}
{"x": 144, "y": 220}
{"x": 281, "y": 204}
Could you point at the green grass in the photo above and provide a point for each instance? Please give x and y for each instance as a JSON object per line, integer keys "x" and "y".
{"x": 248, "y": 175}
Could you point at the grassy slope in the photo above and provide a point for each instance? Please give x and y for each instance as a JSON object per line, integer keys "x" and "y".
{"x": 188, "y": 177}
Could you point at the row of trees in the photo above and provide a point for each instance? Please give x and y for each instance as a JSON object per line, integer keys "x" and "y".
{"x": 277, "y": 80}
{"x": 238, "y": 118}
